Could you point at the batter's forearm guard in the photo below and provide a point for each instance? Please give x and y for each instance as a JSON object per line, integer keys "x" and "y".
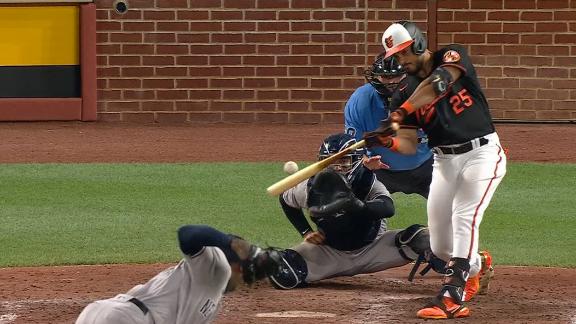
{"x": 440, "y": 80}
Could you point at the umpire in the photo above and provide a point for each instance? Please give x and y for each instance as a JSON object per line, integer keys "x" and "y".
{"x": 365, "y": 108}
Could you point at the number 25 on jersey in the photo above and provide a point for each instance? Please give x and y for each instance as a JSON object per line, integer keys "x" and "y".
{"x": 461, "y": 101}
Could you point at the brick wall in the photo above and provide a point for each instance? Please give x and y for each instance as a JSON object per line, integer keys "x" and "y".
{"x": 297, "y": 61}
{"x": 524, "y": 51}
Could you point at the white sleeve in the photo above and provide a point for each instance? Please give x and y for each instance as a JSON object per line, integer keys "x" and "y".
{"x": 209, "y": 264}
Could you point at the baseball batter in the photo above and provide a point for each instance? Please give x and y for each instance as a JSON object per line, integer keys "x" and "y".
{"x": 189, "y": 292}
{"x": 349, "y": 207}
{"x": 366, "y": 107}
{"x": 469, "y": 161}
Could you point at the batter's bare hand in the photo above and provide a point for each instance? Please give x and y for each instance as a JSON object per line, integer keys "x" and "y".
{"x": 315, "y": 237}
{"x": 374, "y": 163}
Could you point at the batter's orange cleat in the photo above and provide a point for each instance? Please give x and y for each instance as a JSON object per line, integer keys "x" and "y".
{"x": 479, "y": 283}
{"x": 472, "y": 287}
{"x": 447, "y": 308}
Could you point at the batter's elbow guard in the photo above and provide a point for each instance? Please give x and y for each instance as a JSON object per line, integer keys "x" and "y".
{"x": 440, "y": 80}
{"x": 292, "y": 273}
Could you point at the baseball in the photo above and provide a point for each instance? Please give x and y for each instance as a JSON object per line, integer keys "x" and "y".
{"x": 290, "y": 167}
{"x": 395, "y": 126}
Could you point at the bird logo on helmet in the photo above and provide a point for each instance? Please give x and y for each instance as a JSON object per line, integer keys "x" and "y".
{"x": 390, "y": 70}
{"x": 401, "y": 35}
{"x": 389, "y": 41}
{"x": 336, "y": 143}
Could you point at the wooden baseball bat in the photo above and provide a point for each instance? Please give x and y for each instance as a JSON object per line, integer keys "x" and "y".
{"x": 294, "y": 179}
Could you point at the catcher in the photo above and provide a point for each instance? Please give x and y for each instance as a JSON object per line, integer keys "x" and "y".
{"x": 349, "y": 207}
{"x": 214, "y": 263}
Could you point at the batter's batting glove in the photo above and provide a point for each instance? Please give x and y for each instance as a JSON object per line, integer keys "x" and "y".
{"x": 397, "y": 116}
{"x": 260, "y": 264}
{"x": 382, "y": 136}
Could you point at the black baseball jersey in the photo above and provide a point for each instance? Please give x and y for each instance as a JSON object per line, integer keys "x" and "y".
{"x": 461, "y": 113}
{"x": 404, "y": 90}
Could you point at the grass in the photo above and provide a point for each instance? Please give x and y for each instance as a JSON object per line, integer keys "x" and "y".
{"x": 55, "y": 214}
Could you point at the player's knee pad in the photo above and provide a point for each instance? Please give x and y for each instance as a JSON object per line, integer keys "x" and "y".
{"x": 455, "y": 279}
{"x": 293, "y": 271}
{"x": 413, "y": 241}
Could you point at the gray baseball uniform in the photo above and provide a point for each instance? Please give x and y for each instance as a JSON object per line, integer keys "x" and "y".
{"x": 188, "y": 292}
{"x": 325, "y": 261}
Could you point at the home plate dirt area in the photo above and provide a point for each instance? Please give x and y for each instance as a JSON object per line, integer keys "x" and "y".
{"x": 58, "y": 294}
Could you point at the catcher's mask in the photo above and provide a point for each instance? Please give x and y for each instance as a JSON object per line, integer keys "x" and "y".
{"x": 384, "y": 75}
{"x": 336, "y": 143}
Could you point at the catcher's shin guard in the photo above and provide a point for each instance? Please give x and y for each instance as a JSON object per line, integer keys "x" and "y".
{"x": 293, "y": 271}
{"x": 412, "y": 241}
{"x": 414, "y": 244}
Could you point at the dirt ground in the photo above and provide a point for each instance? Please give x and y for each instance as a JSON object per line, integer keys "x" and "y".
{"x": 58, "y": 294}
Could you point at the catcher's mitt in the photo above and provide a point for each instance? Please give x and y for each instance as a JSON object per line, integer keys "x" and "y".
{"x": 382, "y": 136}
{"x": 331, "y": 194}
{"x": 260, "y": 264}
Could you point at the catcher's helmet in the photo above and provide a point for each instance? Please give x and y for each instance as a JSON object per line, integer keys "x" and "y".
{"x": 402, "y": 34}
{"x": 336, "y": 143}
{"x": 388, "y": 68}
